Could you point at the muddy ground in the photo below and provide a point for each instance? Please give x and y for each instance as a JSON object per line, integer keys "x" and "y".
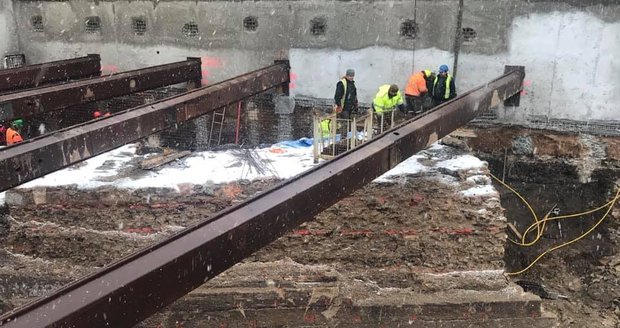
{"x": 385, "y": 233}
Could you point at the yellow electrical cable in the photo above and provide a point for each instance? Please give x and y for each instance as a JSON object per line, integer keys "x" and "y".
{"x": 569, "y": 216}
{"x": 543, "y": 222}
{"x": 524, "y": 201}
{"x": 611, "y": 206}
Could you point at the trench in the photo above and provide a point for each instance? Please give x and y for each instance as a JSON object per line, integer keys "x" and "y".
{"x": 577, "y": 174}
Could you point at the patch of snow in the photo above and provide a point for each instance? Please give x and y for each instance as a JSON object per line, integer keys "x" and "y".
{"x": 462, "y": 162}
{"x": 480, "y": 191}
{"x": 2, "y": 196}
{"x": 85, "y": 175}
{"x": 406, "y": 167}
{"x": 225, "y": 166}
{"x": 479, "y": 179}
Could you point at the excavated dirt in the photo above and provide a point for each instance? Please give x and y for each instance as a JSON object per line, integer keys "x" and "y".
{"x": 569, "y": 173}
{"x": 387, "y": 234}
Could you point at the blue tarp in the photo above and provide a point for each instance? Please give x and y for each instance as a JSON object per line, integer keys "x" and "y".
{"x": 300, "y": 143}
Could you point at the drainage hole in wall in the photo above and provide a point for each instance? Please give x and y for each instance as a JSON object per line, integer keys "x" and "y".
{"x": 318, "y": 26}
{"x": 250, "y": 23}
{"x": 37, "y": 23}
{"x": 138, "y": 25}
{"x": 409, "y": 29}
{"x": 92, "y": 24}
{"x": 190, "y": 29}
{"x": 469, "y": 34}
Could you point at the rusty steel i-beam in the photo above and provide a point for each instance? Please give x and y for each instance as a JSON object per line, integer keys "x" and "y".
{"x": 55, "y": 97}
{"x": 36, "y": 157}
{"x": 57, "y": 71}
{"x": 137, "y": 286}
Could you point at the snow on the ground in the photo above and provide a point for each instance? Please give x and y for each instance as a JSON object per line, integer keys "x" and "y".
{"x": 407, "y": 167}
{"x": 462, "y": 162}
{"x": 226, "y": 166}
{"x": 279, "y": 161}
{"x": 88, "y": 173}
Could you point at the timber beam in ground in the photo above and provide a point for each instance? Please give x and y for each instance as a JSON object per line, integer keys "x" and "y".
{"x": 32, "y": 76}
{"x": 137, "y": 286}
{"x": 56, "y": 97}
{"x": 37, "y": 157}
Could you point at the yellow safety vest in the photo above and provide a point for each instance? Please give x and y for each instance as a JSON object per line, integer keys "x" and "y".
{"x": 325, "y": 127}
{"x": 383, "y": 103}
{"x": 448, "y": 80}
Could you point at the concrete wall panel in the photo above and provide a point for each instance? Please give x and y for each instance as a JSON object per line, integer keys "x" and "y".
{"x": 8, "y": 31}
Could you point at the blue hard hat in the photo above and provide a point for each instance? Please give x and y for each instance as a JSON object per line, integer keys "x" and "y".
{"x": 443, "y": 68}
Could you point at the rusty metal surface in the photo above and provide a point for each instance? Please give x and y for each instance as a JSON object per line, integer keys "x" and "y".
{"x": 55, "y": 97}
{"x": 131, "y": 289}
{"x": 36, "y": 157}
{"x": 57, "y": 71}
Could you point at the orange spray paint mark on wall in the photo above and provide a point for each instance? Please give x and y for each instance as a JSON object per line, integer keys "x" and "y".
{"x": 293, "y": 81}
{"x": 109, "y": 69}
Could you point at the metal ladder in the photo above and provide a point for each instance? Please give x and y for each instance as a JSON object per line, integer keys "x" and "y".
{"x": 218, "y": 118}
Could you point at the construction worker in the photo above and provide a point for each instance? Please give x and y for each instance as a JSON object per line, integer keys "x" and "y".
{"x": 444, "y": 87}
{"x": 345, "y": 98}
{"x": 97, "y": 114}
{"x": 12, "y": 133}
{"x": 427, "y": 102}
{"x": 386, "y": 100}
{"x": 416, "y": 90}
{"x": 2, "y": 135}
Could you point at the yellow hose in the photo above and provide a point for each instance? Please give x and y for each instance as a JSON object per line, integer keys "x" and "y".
{"x": 540, "y": 225}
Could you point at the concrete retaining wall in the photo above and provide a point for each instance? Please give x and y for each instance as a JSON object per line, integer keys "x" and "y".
{"x": 569, "y": 48}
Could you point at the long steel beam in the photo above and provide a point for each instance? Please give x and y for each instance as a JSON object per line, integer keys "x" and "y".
{"x": 135, "y": 287}
{"x": 34, "y": 158}
{"x": 57, "y": 71}
{"x": 55, "y": 97}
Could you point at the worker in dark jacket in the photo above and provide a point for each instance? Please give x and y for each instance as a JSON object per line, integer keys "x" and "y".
{"x": 427, "y": 102}
{"x": 345, "y": 98}
{"x": 444, "y": 87}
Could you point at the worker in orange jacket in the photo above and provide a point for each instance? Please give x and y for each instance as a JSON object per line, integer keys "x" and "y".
{"x": 12, "y": 133}
{"x": 416, "y": 90}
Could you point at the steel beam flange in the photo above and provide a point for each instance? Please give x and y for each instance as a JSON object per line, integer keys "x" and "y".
{"x": 56, "y": 97}
{"x": 57, "y": 71}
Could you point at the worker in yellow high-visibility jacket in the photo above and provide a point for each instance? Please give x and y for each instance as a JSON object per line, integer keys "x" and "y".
{"x": 386, "y": 101}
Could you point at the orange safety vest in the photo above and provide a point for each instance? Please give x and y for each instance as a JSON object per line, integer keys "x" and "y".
{"x": 416, "y": 85}
{"x": 13, "y": 137}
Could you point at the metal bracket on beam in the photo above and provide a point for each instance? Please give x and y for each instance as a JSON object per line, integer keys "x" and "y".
{"x": 284, "y": 87}
{"x": 515, "y": 100}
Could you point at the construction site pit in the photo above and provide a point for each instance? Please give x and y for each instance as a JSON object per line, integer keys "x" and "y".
{"x": 428, "y": 244}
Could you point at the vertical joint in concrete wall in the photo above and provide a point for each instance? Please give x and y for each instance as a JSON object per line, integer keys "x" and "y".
{"x": 515, "y": 100}
{"x": 457, "y": 38}
{"x": 283, "y": 88}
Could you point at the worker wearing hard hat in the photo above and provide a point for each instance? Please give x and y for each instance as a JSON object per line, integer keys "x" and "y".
{"x": 444, "y": 87}
{"x": 416, "y": 90}
{"x": 12, "y": 133}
